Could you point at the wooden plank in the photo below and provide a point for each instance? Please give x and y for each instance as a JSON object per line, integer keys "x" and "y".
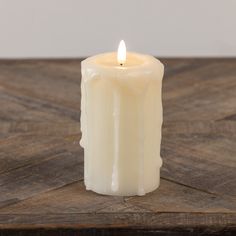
{"x": 201, "y": 93}
{"x": 44, "y": 128}
{"x": 170, "y": 197}
{"x": 24, "y": 149}
{"x": 32, "y": 164}
{"x": 74, "y": 197}
{"x": 211, "y": 127}
{"x": 146, "y": 220}
{"x": 55, "y": 82}
{"x": 18, "y": 107}
{"x": 202, "y": 160}
{"x": 39, "y": 90}
{"x": 50, "y": 174}
{"x": 174, "y": 197}
{"x": 189, "y": 169}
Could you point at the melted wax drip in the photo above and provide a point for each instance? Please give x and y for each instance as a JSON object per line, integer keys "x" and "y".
{"x": 116, "y": 118}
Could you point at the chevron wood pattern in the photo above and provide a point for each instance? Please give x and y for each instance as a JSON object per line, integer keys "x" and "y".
{"x": 41, "y": 162}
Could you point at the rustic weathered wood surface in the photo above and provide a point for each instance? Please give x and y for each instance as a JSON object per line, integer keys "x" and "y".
{"x": 41, "y": 162}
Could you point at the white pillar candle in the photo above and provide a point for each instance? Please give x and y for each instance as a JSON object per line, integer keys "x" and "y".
{"x": 121, "y": 118}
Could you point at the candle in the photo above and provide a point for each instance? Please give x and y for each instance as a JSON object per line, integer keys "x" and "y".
{"x": 121, "y": 118}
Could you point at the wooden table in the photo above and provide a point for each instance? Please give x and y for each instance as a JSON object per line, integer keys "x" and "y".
{"x": 41, "y": 162}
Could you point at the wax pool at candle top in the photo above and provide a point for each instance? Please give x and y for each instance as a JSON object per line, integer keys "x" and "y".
{"x": 110, "y": 60}
{"x": 121, "y": 118}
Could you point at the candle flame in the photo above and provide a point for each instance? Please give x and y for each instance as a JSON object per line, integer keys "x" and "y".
{"x": 121, "y": 54}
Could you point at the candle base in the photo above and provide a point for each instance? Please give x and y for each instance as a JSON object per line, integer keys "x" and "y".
{"x": 126, "y": 192}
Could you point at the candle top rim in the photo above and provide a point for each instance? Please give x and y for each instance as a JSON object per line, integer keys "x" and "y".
{"x": 109, "y": 61}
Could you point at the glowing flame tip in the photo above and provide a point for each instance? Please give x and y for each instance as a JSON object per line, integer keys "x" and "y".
{"x": 121, "y": 53}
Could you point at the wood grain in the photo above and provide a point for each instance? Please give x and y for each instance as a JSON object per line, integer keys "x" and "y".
{"x": 41, "y": 162}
